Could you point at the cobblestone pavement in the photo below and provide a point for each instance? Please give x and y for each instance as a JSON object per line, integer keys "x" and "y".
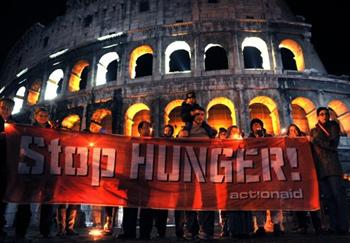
{"x": 84, "y": 236}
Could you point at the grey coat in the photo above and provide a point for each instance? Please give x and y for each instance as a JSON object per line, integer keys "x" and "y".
{"x": 325, "y": 150}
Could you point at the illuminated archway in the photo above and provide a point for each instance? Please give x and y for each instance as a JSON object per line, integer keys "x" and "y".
{"x": 215, "y": 57}
{"x": 296, "y": 49}
{"x": 34, "y": 93}
{"x": 139, "y": 111}
{"x": 172, "y": 115}
{"x": 101, "y": 119}
{"x": 18, "y": 99}
{"x": 71, "y": 122}
{"x": 308, "y": 113}
{"x": 343, "y": 115}
{"x": 137, "y": 53}
{"x": 265, "y": 109}
{"x": 172, "y": 48}
{"x": 103, "y": 67}
{"x": 221, "y": 113}
{"x": 77, "y": 76}
{"x": 259, "y": 44}
{"x": 52, "y": 84}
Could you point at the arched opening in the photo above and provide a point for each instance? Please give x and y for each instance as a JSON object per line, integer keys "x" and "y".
{"x": 298, "y": 55}
{"x": 101, "y": 121}
{"x": 215, "y": 58}
{"x": 72, "y": 122}
{"x": 133, "y": 116}
{"x": 18, "y": 99}
{"x": 78, "y": 77}
{"x": 265, "y": 109}
{"x": 54, "y": 84}
{"x": 288, "y": 61}
{"x": 343, "y": 115}
{"x": 255, "y": 53}
{"x": 172, "y": 115}
{"x": 34, "y": 93}
{"x": 304, "y": 114}
{"x": 141, "y": 62}
{"x": 178, "y": 57}
{"x": 221, "y": 113}
{"x": 107, "y": 68}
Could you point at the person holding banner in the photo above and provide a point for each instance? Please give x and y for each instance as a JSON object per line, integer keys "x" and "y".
{"x": 6, "y": 108}
{"x": 293, "y": 131}
{"x": 325, "y": 140}
{"x": 205, "y": 218}
{"x": 257, "y": 131}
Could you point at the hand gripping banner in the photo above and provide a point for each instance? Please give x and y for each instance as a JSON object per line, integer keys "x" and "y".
{"x": 50, "y": 166}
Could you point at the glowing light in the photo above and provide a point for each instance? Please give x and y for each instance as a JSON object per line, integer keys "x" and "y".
{"x": 71, "y": 121}
{"x": 97, "y": 119}
{"x": 130, "y": 114}
{"x": 34, "y": 93}
{"x": 294, "y": 47}
{"x": 52, "y": 84}
{"x": 2, "y": 89}
{"x": 110, "y": 46}
{"x": 96, "y": 233}
{"x": 22, "y": 72}
{"x": 177, "y": 45}
{"x": 135, "y": 54}
{"x": 284, "y": 131}
{"x": 310, "y": 110}
{"x": 18, "y": 99}
{"x": 102, "y": 65}
{"x": 91, "y": 144}
{"x": 261, "y": 45}
{"x": 59, "y": 53}
{"x": 110, "y": 36}
{"x": 75, "y": 76}
{"x": 343, "y": 115}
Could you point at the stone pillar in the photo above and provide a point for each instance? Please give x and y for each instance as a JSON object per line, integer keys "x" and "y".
{"x": 321, "y": 100}
{"x": 156, "y": 116}
{"x": 243, "y": 118}
{"x": 92, "y": 74}
{"x": 238, "y": 64}
{"x": 83, "y": 119}
{"x": 285, "y": 110}
{"x": 65, "y": 80}
{"x": 43, "y": 87}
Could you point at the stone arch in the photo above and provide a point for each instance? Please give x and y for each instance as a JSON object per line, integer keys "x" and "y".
{"x": 53, "y": 84}
{"x": 34, "y": 93}
{"x": 138, "y": 110}
{"x": 108, "y": 63}
{"x": 172, "y": 115}
{"x": 265, "y": 109}
{"x": 78, "y": 77}
{"x": 255, "y": 52}
{"x": 297, "y": 51}
{"x": 343, "y": 115}
{"x": 176, "y": 51}
{"x": 101, "y": 119}
{"x": 19, "y": 99}
{"x": 215, "y": 57}
{"x": 221, "y": 113}
{"x": 141, "y": 58}
{"x": 71, "y": 122}
{"x": 304, "y": 113}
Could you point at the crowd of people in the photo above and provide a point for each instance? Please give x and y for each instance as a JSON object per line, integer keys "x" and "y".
{"x": 192, "y": 225}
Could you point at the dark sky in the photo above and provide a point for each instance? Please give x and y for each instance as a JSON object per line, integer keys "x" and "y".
{"x": 330, "y": 20}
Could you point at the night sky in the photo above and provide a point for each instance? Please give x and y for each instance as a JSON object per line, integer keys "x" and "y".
{"x": 330, "y": 20}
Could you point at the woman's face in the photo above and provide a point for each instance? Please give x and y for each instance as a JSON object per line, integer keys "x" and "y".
{"x": 42, "y": 117}
{"x": 293, "y": 132}
{"x": 235, "y": 133}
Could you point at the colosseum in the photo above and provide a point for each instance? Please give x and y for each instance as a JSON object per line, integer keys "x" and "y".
{"x": 112, "y": 63}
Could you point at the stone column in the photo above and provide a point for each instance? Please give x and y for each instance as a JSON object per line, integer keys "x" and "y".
{"x": 92, "y": 74}
{"x": 243, "y": 118}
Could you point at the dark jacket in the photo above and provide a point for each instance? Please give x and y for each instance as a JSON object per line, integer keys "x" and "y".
{"x": 325, "y": 150}
{"x": 264, "y": 134}
{"x": 186, "y": 112}
{"x": 36, "y": 124}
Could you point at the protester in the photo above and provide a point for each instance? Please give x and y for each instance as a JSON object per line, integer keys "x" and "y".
{"x": 205, "y": 218}
{"x": 258, "y": 131}
{"x": 6, "y": 108}
{"x": 293, "y": 131}
{"x": 222, "y": 133}
{"x": 168, "y": 131}
{"x": 325, "y": 140}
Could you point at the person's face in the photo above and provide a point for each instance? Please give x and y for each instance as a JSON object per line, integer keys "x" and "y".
{"x": 323, "y": 116}
{"x": 198, "y": 116}
{"x": 42, "y": 117}
{"x": 191, "y": 101}
{"x": 5, "y": 110}
{"x": 332, "y": 115}
{"x": 222, "y": 135}
{"x": 293, "y": 132}
{"x": 235, "y": 133}
{"x": 167, "y": 132}
{"x": 145, "y": 130}
{"x": 256, "y": 127}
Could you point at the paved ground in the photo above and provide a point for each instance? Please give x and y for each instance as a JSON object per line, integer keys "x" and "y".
{"x": 85, "y": 237}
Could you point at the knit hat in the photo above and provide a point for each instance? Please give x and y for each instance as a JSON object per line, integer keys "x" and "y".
{"x": 190, "y": 95}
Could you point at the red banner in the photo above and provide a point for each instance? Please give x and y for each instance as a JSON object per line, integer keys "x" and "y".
{"x": 45, "y": 165}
